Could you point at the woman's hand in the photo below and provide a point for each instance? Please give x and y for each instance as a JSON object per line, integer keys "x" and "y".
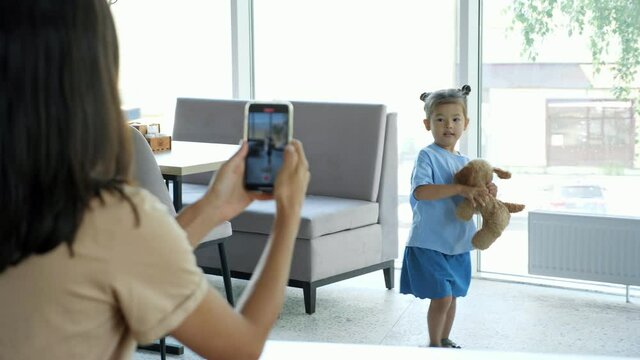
{"x": 226, "y": 193}
{"x": 293, "y": 178}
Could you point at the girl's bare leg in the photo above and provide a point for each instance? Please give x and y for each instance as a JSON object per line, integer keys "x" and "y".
{"x": 437, "y": 318}
{"x": 448, "y": 323}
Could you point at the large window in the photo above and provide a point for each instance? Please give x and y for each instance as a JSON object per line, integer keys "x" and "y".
{"x": 379, "y": 51}
{"x": 557, "y": 126}
{"x": 171, "y": 49}
{"x": 554, "y": 122}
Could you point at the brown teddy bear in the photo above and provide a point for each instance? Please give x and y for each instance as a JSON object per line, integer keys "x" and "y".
{"x": 495, "y": 213}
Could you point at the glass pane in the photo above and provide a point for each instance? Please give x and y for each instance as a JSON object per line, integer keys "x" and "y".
{"x": 171, "y": 49}
{"x": 379, "y": 51}
{"x": 557, "y": 126}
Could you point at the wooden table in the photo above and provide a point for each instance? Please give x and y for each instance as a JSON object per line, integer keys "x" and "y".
{"x": 187, "y": 158}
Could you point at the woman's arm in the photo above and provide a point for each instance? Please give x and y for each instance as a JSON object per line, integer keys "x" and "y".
{"x": 197, "y": 220}
{"x": 214, "y": 329}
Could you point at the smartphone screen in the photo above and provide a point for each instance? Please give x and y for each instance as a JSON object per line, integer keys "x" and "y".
{"x": 267, "y": 131}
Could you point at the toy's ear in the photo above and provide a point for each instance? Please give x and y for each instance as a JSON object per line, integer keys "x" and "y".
{"x": 464, "y": 176}
{"x": 502, "y": 174}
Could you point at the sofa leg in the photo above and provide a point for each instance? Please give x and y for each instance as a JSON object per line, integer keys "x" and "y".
{"x": 309, "y": 291}
{"x": 388, "y": 277}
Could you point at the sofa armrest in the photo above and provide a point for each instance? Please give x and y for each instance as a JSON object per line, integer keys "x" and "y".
{"x": 388, "y": 193}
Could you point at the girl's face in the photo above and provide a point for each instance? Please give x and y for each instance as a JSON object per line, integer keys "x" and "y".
{"x": 447, "y": 125}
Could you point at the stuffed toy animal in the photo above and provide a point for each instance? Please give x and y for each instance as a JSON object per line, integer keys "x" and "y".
{"x": 495, "y": 213}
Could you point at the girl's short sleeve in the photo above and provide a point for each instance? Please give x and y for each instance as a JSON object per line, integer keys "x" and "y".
{"x": 422, "y": 171}
{"x": 155, "y": 278}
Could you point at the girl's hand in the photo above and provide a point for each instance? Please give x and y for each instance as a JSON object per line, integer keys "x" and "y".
{"x": 226, "y": 192}
{"x": 293, "y": 178}
{"x": 493, "y": 189}
{"x": 476, "y": 195}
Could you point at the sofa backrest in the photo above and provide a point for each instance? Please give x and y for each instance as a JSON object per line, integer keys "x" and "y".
{"x": 343, "y": 141}
{"x": 207, "y": 120}
{"x": 344, "y": 145}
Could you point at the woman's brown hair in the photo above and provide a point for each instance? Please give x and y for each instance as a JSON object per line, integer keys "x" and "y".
{"x": 63, "y": 139}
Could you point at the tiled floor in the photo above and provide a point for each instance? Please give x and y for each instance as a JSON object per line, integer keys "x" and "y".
{"x": 495, "y": 316}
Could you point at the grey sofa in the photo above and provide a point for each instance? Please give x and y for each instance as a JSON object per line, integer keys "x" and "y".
{"x": 349, "y": 218}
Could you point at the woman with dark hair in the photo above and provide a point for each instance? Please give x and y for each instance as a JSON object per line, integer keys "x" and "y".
{"x": 89, "y": 263}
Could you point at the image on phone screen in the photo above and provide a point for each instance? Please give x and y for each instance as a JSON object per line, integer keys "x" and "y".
{"x": 267, "y": 136}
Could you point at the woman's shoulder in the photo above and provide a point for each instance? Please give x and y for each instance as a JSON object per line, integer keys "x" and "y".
{"x": 114, "y": 198}
{"x": 117, "y": 217}
{"x": 145, "y": 199}
{"x": 126, "y": 206}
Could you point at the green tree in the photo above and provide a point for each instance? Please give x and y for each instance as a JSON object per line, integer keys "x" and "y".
{"x": 607, "y": 21}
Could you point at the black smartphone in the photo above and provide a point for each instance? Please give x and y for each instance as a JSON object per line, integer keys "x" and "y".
{"x": 268, "y": 128}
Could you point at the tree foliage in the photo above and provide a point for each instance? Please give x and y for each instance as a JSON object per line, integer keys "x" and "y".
{"x": 607, "y": 21}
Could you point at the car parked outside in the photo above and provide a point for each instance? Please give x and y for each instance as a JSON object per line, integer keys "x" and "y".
{"x": 583, "y": 198}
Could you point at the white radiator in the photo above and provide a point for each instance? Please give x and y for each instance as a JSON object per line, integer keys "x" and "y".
{"x": 585, "y": 247}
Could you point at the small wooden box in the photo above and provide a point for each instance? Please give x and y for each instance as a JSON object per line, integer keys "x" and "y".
{"x": 140, "y": 127}
{"x": 159, "y": 142}
{"x": 151, "y": 128}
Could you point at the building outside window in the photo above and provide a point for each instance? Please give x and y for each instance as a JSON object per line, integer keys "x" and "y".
{"x": 590, "y": 132}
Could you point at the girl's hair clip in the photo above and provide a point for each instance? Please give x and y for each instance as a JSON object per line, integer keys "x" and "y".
{"x": 424, "y": 96}
{"x": 465, "y": 90}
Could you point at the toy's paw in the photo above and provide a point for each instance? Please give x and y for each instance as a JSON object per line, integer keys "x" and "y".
{"x": 484, "y": 237}
{"x": 514, "y": 208}
{"x": 481, "y": 244}
{"x": 502, "y": 174}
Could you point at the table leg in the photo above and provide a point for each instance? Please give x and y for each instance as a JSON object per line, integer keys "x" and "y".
{"x": 177, "y": 193}
{"x": 173, "y": 349}
{"x": 226, "y": 274}
{"x": 163, "y": 349}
